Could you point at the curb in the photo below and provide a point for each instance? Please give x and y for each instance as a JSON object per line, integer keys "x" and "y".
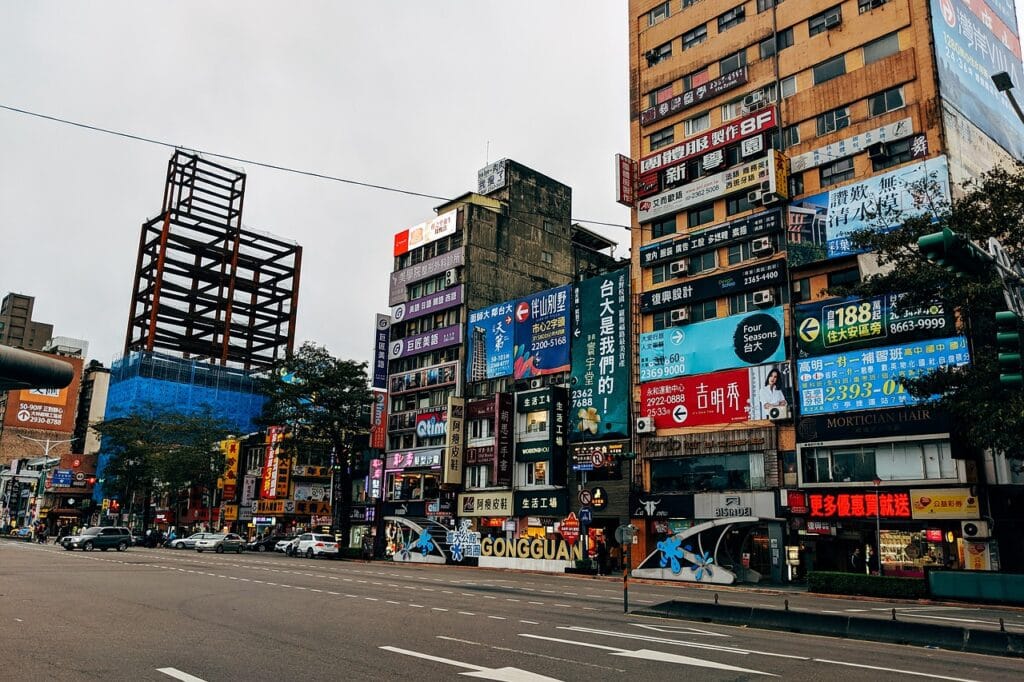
{"x": 947, "y": 637}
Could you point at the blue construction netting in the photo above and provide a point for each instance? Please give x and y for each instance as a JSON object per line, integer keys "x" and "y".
{"x": 142, "y": 381}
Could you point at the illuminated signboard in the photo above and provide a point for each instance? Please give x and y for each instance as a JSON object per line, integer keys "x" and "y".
{"x": 858, "y": 505}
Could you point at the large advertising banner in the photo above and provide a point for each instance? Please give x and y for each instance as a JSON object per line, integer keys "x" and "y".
{"x": 763, "y": 275}
{"x": 849, "y": 323}
{"x": 228, "y": 482}
{"x": 882, "y": 202}
{"x": 379, "y": 421}
{"x": 735, "y": 341}
{"x": 268, "y": 489}
{"x": 736, "y": 395}
{"x": 490, "y": 342}
{"x": 972, "y": 42}
{"x": 542, "y": 334}
{"x": 868, "y": 379}
{"x": 600, "y": 358}
{"x": 426, "y": 232}
{"x": 46, "y": 409}
{"x": 418, "y": 343}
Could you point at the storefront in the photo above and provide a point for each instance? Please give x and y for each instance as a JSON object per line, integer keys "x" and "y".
{"x": 489, "y": 512}
{"x": 413, "y": 475}
{"x": 540, "y": 460}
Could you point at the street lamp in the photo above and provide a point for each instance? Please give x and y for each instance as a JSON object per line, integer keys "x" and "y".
{"x": 1004, "y": 83}
{"x": 878, "y": 528}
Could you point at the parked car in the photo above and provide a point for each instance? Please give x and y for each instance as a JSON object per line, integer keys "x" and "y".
{"x": 312, "y": 545}
{"x": 99, "y": 537}
{"x": 266, "y": 544}
{"x": 220, "y": 543}
{"x": 283, "y": 544}
{"x": 189, "y": 542}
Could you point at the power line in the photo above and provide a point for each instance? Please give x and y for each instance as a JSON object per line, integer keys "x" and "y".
{"x": 263, "y": 164}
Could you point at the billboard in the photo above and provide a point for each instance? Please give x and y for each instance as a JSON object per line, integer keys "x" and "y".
{"x": 426, "y": 232}
{"x": 490, "y": 342}
{"x": 380, "y": 351}
{"x": 849, "y": 323}
{"x": 734, "y": 341}
{"x": 420, "y": 343}
{"x": 735, "y": 395}
{"x": 694, "y": 96}
{"x": 379, "y": 421}
{"x": 542, "y": 333}
{"x": 46, "y": 409}
{"x": 600, "y": 393}
{"x": 868, "y": 379}
{"x": 452, "y": 473}
{"x": 401, "y": 279}
{"x": 428, "y": 305}
{"x": 715, "y": 237}
{"x": 972, "y": 153}
{"x": 763, "y": 275}
{"x": 897, "y": 130}
{"x": 971, "y": 43}
{"x": 883, "y": 202}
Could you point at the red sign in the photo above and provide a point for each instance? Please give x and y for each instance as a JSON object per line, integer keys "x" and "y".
{"x": 797, "y": 502}
{"x": 570, "y": 529}
{"x": 718, "y": 398}
{"x": 401, "y": 243}
{"x": 933, "y": 535}
{"x": 379, "y": 421}
{"x": 522, "y": 311}
{"x": 859, "y": 505}
{"x": 626, "y": 170}
{"x": 754, "y": 124}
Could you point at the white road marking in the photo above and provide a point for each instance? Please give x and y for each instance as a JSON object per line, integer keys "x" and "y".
{"x": 179, "y": 675}
{"x": 397, "y": 603}
{"x": 891, "y": 670}
{"x": 530, "y": 622}
{"x": 417, "y": 606}
{"x": 497, "y": 617}
{"x": 466, "y": 613}
{"x": 371, "y": 599}
{"x": 677, "y": 642}
{"x": 478, "y": 671}
{"x": 855, "y": 610}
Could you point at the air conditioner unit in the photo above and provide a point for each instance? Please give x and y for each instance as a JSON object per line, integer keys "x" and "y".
{"x": 974, "y": 529}
{"x": 877, "y": 151}
{"x": 762, "y": 246}
{"x": 680, "y": 315}
{"x": 766, "y": 186}
{"x": 536, "y": 383}
{"x": 644, "y": 425}
{"x": 877, "y": 3}
{"x": 832, "y": 20}
{"x": 653, "y": 57}
{"x": 778, "y": 413}
{"x": 764, "y": 297}
{"x": 754, "y": 196}
{"x": 754, "y": 101}
{"x": 451, "y": 277}
{"x": 770, "y": 198}
{"x": 679, "y": 267}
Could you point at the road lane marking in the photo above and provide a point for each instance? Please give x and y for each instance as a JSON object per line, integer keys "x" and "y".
{"x": 891, "y": 670}
{"x": 466, "y": 613}
{"x": 179, "y": 675}
{"x": 498, "y": 617}
{"x": 437, "y": 608}
{"x": 530, "y": 622}
{"x": 417, "y": 606}
{"x": 478, "y": 671}
{"x": 682, "y": 643}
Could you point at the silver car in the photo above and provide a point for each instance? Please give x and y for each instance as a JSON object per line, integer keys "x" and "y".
{"x": 189, "y": 542}
{"x": 220, "y": 543}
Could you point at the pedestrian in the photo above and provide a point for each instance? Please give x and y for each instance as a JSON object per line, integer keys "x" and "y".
{"x": 602, "y": 557}
{"x": 857, "y": 561}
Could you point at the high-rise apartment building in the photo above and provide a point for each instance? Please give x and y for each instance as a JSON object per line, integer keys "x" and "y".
{"x": 764, "y": 132}
{"x": 17, "y": 328}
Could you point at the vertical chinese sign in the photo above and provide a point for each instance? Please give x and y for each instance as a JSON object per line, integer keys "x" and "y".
{"x": 452, "y": 473}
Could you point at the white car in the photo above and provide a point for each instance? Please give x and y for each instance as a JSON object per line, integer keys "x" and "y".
{"x": 282, "y": 545}
{"x": 313, "y": 545}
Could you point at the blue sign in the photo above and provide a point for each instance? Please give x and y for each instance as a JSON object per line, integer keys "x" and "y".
{"x": 380, "y": 352}
{"x": 869, "y": 379}
{"x": 586, "y": 516}
{"x": 542, "y": 333}
{"x": 490, "y": 342}
{"x": 882, "y": 202}
{"x": 736, "y": 341}
{"x": 972, "y": 42}
{"x": 62, "y": 478}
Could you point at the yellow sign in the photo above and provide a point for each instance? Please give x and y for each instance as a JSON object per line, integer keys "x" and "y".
{"x": 531, "y": 548}
{"x": 230, "y": 512}
{"x": 943, "y": 503}
{"x": 229, "y": 448}
{"x": 293, "y": 507}
{"x": 809, "y": 330}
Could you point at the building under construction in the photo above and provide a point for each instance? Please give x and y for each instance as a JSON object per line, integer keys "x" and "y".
{"x": 206, "y": 287}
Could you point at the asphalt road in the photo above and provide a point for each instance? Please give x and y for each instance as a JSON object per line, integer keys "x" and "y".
{"x": 164, "y": 614}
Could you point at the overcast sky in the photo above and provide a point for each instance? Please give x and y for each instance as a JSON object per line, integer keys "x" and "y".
{"x": 398, "y": 93}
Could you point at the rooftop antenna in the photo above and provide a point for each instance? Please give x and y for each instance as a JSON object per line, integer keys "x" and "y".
{"x": 487, "y": 154}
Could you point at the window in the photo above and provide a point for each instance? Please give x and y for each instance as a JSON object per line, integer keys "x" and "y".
{"x": 701, "y": 215}
{"x": 796, "y": 184}
{"x": 731, "y": 110}
{"x": 739, "y": 253}
{"x": 697, "y": 124}
{"x": 708, "y": 310}
{"x": 833, "y": 68}
{"x": 834, "y": 120}
{"x": 907, "y": 461}
{"x": 732, "y": 62}
{"x": 660, "y": 273}
{"x": 765, "y": 5}
{"x": 781, "y": 41}
{"x": 788, "y": 137}
{"x": 842, "y": 277}
{"x": 881, "y": 48}
{"x": 656, "y": 97}
{"x": 708, "y": 472}
{"x": 820, "y": 23}
{"x": 479, "y": 428}
{"x": 788, "y": 86}
{"x": 733, "y": 17}
{"x": 546, "y": 257}
{"x": 837, "y": 171}
{"x": 662, "y": 138}
{"x": 661, "y": 320}
{"x": 802, "y": 290}
{"x": 695, "y": 37}
{"x": 660, "y": 228}
{"x": 658, "y": 14}
{"x": 478, "y": 476}
{"x": 695, "y": 79}
{"x": 537, "y": 422}
{"x": 741, "y": 303}
{"x": 537, "y": 473}
{"x": 868, "y": 5}
{"x": 896, "y": 153}
{"x": 884, "y": 102}
{"x": 659, "y": 53}
{"x": 702, "y": 263}
{"x": 737, "y": 204}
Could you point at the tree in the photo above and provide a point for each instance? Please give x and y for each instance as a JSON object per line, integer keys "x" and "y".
{"x": 984, "y": 415}
{"x": 322, "y": 400}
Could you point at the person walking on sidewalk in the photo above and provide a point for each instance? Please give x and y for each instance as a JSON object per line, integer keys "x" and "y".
{"x": 602, "y": 557}
{"x": 857, "y": 561}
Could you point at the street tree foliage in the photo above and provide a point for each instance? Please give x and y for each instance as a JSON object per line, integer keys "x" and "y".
{"x": 983, "y": 414}
{"x": 322, "y": 401}
{"x": 155, "y": 451}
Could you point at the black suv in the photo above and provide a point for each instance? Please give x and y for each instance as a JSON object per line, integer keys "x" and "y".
{"x": 99, "y": 537}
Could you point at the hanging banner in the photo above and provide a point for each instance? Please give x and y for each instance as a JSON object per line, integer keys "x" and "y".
{"x": 270, "y": 462}
{"x": 600, "y": 358}
{"x": 868, "y": 379}
{"x": 380, "y": 352}
{"x": 379, "y": 421}
{"x": 490, "y": 342}
{"x": 734, "y": 341}
{"x": 542, "y": 334}
{"x": 503, "y": 447}
{"x": 455, "y": 442}
{"x": 230, "y": 449}
{"x": 849, "y": 323}
{"x": 625, "y": 168}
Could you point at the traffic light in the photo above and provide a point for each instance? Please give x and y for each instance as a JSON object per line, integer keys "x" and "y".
{"x": 954, "y": 252}
{"x": 1008, "y": 341}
